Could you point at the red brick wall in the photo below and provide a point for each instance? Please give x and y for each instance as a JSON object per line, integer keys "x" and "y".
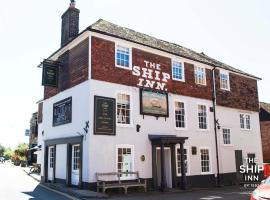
{"x": 74, "y": 69}
{"x": 243, "y": 94}
{"x": 265, "y": 133}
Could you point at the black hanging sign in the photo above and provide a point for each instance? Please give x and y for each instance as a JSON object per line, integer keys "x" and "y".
{"x": 62, "y": 112}
{"x": 50, "y": 73}
{"x": 104, "y": 116}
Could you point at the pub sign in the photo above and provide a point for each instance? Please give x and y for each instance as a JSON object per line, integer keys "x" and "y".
{"x": 104, "y": 116}
{"x": 62, "y": 112}
{"x": 50, "y": 73}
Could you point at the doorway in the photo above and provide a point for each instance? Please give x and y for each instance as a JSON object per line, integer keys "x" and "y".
{"x": 75, "y": 164}
{"x": 168, "y": 166}
{"x": 238, "y": 163}
{"x": 51, "y": 157}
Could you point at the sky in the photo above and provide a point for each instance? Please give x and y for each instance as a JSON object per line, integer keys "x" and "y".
{"x": 234, "y": 32}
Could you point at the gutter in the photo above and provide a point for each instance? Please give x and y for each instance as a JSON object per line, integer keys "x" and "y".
{"x": 214, "y": 100}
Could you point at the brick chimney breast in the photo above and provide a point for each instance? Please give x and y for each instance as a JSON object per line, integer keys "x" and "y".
{"x": 70, "y": 24}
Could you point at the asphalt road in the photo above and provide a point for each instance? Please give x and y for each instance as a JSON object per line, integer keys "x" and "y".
{"x": 17, "y": 185}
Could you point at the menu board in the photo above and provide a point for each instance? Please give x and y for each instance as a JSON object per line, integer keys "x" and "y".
{"x": 104, "y": 116}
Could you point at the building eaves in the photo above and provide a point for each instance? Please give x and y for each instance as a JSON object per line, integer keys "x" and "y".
{"x": 265, "y": 106}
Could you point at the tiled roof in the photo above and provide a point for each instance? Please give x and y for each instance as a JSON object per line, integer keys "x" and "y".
{"x": 111, "y": 29}
{"x": 265, "y": 106}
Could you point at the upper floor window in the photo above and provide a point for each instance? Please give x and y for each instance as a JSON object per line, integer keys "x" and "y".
{"x": 200, "y": 76}
{"x": 226, "y": 136}
{"x": 178, "y": 71}
{"x": 180, "y": 115}
{"x": 202, "y": 116}
{"x": 245, "y": 121}
{"x": 224, "y": 80}
{"x": 123, "y": 108}
{"x": 123, "y": 57}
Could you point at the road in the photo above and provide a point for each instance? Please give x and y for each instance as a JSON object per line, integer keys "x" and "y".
{"x": 17, "y": 185}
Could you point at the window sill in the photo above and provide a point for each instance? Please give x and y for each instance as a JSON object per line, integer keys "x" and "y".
{"x": 180, "y": 80}
{"x": 206, "y": 173}
{"x": 227, "y": 145}
{"x": 122, "y": 67}
{"x": 224, "y": 89}
{"x": 203, "y": 130}
{"x": 180, "y": 129}
{"x": 125, "y": 125}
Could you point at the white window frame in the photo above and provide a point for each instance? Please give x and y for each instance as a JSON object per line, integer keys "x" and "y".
{"x": 228, "y": 81}
{"x": 183, "y": 70}
{"x": 207, "y": 116}
{"x": 245, "y": 122}
{"x": 230, "y": 144}
{"x": 132, "y": 155}
{"x": 195, "y": 75}
{"x": 176, "y": 161}
{"x": 130, "y": 56}
{"x": 131, "y": 106}
{"x": 185, "y": 108}
{"x": 210, "y": 161}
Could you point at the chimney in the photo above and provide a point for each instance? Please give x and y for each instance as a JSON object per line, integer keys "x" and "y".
{"x": 70, "y": 24}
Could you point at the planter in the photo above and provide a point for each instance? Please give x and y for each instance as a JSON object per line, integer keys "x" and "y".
{"x": 23, "y": 163}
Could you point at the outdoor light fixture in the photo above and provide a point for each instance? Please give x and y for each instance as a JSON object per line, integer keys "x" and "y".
{"x": 138, "y": 127}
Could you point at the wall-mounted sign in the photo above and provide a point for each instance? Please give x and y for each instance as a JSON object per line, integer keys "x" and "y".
{"x": 50, "y": 73}
{"x": 154, "y": 103}
{"x": 104, "y": 116}
{"x": 62, "y": 112}
{"x": 151, "y": 76}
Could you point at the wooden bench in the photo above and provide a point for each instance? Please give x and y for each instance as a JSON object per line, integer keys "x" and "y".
{"x": 119, "y": 180}
{"x": 35, "y": 168}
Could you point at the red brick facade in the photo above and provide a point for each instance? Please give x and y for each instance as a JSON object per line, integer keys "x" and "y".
{"x": 74, "y": 69}
{"x": 265, "y": 133}
{"x": 243, "y": 93}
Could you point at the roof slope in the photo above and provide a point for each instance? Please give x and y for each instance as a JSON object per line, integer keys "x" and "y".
{"x": 111, "y": 29}
{"x": 265, "y": 106}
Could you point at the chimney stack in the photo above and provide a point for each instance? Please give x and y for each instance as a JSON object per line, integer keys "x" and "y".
{"x": 70, "y": 23}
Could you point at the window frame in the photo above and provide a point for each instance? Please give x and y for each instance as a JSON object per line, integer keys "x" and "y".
{"x": 183, "y": 70}
{"x": 245, "y": 121}
{"x": 132, "y": 158}
{"x": 195, "y": 75}
{"x": 130, "y": 111}
{"x": 176, "y": 161}
{"x": 185, "y": 117}
{"x": 228, "y": 81}
{"x": 210, "y": 161}
{"x": 225, "y": 128}
{"x": 130, "y": 55}
{"x": 207, "y": 116}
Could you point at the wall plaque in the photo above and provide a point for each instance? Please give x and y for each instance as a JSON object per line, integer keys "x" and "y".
{"x": 62, "y": 112}
{"x": 154, "y": 103}
{"x": 50, "y": 74}
{"x": 104, "y": 116}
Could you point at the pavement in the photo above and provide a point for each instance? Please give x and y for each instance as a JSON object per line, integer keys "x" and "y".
{"x": 16, "y": 184}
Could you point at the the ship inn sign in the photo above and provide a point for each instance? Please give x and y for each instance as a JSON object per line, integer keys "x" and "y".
{"x": 151, "y": 76}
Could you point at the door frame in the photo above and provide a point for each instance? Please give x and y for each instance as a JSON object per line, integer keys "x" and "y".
{"x": 72, "y": 162}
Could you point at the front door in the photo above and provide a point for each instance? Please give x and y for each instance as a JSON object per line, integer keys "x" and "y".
{"x": 168, "y": 167}
{"x": 75, "y": 172}
{"x": 51, "y": 157}
{"x": 238, "y": 163}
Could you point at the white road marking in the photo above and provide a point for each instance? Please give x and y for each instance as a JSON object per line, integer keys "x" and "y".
{"x": 211, "y": 197}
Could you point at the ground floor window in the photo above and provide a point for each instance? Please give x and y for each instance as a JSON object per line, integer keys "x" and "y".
{"x": 205, "y": 161}
{"x": 76, "y": 157}
{"x": 125, "y": 158}
{"x": 178, "y": 160}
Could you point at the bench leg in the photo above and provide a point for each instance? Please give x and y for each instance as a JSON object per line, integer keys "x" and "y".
{"x": 103, "y": 190}
{"x": 125, "y": 190}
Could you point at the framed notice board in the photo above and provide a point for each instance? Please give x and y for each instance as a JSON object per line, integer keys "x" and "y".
{"x": 104, "y": 116}
{"x": 62, "y": 112}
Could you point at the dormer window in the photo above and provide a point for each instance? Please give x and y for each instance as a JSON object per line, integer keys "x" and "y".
{"x": 200, "y": 76}
{"x": 224, "y": 80}
{"x": 123, "y": 57}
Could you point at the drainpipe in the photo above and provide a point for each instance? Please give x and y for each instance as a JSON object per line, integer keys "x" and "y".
{"x": 214, "y": 97}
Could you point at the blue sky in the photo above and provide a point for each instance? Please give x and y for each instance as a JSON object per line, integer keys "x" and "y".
{"x": 234, "y": 32}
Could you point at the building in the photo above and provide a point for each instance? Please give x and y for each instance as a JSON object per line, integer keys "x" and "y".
{"x": 33, "y": 139}
{"x": 126, "y": 101}
{"x": 265, "y": 130}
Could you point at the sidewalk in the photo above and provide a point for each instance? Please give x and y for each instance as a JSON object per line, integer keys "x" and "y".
{"x": 61, "y": 188}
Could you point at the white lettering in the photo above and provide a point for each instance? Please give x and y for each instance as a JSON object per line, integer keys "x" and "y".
{"x": 146, "y": 63}
{"x": 136, "y": 71}
{"x": 152, "y": 65}
{"x": 158, "y": 67}
{"x": 157, "y": 75}
{"x": 160, "y": 86}
{"x": 147, "y": 73}
{"x": 140, "y": 82}
{"x": 149, "y": 84}
{"x": 166, "y": 76}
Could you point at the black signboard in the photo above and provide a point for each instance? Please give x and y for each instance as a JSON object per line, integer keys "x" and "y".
{"x": 154, "y": 103}
{"x": 50, "y": 74}
{"x": 104, "y": 116}
{"x": 62, "y": 112}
